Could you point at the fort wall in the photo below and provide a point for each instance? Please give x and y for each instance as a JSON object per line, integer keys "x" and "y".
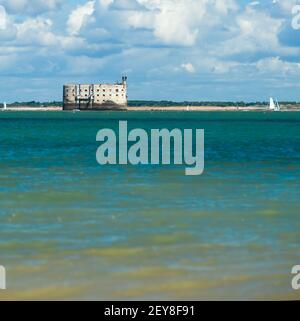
{"x": 95, "y": 96}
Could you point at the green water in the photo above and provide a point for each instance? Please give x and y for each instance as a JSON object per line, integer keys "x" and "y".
{"x": 72, "y": 229}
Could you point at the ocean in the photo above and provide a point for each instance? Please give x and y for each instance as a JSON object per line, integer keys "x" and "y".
{"x": 72, "y": 229}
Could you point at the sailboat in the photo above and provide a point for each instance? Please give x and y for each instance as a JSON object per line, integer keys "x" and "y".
{"x": 4, "y": 106}
{"x": 278, "y": 108}
{"x": 274, "y": 106}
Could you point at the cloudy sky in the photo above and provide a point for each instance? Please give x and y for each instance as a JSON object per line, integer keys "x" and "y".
{"x": 170, "y": 49}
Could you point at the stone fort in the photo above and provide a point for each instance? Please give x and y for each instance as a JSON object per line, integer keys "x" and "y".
{"x": 95, "y": 97}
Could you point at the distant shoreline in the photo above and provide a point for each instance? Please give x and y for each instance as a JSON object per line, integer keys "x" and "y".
{"x": 26, "y": 108}
{"x": 158, "y": 108}
{"x": 205, "y": 108}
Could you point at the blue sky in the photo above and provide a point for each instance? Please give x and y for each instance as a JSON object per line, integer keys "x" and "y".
{"x": 169, "y": 49}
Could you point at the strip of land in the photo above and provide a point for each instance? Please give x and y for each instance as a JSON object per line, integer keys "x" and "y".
{"x": 26, "y": 108}
{"x": 192, "y": 108}
{"x": 163, "y": 108}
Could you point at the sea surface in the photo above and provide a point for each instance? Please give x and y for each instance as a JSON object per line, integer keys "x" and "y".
{"x": 72, "y": 229}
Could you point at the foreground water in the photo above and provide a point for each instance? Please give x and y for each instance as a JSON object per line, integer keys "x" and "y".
{"x": 71, "y": 229}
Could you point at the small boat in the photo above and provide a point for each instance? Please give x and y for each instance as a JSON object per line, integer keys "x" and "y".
{"x": 4, "y": 106}
{"x": 274, "y": 106}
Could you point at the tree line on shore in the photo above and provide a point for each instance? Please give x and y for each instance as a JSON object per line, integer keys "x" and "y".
{"x": 162, "y": 103}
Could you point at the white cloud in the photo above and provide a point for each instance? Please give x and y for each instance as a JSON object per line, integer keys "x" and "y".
{"x": 105, "y": 3}
{"x": 30, "y": 6}
{"x": 254, "y": 31}
{"x": 180, "y": 22}
{"x": 277, "y": 66}
{"x": 218, "y": 66}
{"x": 228, "y": 40}
{"x": 189, "y": 67}
{"x": 2, "y": 18}
{"x": 7, "y": 28}
{"x": 79, "y": 17}
{"x": 287, "y": 5}
{"x": 36, "y": 31}
{"x": 254, "y": 3}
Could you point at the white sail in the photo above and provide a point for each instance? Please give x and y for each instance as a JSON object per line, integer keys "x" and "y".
{"x": 272, "y": 104}
{"x": 277, "y": 107}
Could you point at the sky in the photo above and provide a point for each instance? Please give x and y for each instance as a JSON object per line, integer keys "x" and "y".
{"x": 196, "y": 50}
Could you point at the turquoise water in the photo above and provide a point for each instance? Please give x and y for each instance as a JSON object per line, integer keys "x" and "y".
{"x": 71, "y": 229}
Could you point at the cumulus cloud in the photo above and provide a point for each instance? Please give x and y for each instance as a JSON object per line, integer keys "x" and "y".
{"x": 287, "y": 5}
{"x": 79, "y": 17}
{"x": 253, "y": 32}
{"x": 189, "y": 67}
{"x": 7, "y": 27}
{"x": 36, "y": 31}
{"x": 2, "y": 18}
{"x": 180, "y": 22}
{"x": 278, "y": 66}
{"x": 105, "y": 3}
{"x": 30, "y": 6}
{"x": 230, "y": 41}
